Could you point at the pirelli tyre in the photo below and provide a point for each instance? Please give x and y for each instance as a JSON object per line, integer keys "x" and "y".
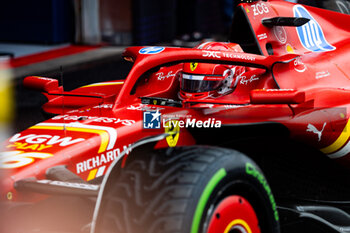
{"x": 193, "y": 189}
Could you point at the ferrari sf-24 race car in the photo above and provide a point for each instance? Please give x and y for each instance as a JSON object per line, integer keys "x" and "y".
{"x": 247, "y": 136}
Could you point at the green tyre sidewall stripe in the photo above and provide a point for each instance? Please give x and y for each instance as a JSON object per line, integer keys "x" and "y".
{"x": 209, "y": 188}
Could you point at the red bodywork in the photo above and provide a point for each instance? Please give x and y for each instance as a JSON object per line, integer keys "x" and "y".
{"x": 301, "y": 86}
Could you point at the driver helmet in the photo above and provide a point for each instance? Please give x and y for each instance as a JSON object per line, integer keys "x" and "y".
{"x": 204, "y": 80}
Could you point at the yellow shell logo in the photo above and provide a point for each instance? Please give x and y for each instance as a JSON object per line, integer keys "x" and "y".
{"x": 173, "y": 129}
{"x": 289, "y": 49}
{"x": 193, "y": 65}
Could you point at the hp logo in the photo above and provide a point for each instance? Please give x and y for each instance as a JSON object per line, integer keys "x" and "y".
{"x": 311, "y": 35}
{"x": 151, "y": 50}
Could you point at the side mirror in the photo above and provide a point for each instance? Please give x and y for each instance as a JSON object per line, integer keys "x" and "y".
{"x": 41, "y": 83}
{"x": 277, "y": 96}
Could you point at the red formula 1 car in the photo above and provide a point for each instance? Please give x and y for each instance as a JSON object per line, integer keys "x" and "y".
{"x": 248, "y": 136}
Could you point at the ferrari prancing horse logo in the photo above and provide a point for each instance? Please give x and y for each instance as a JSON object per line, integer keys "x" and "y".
{"x": 173, "y": 129}
{"x": 193, "y": 65}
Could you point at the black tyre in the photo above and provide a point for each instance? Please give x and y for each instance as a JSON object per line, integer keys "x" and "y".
{"x": 188, "y": 190}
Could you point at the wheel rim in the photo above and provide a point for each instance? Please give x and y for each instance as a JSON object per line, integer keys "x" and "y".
{"x": 234, "y": 214}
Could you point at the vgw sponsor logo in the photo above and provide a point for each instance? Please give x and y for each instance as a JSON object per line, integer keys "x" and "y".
{"x": 311, "y": 34}
{"x": 152, "y": 120}
{"x": 47, "y": 139}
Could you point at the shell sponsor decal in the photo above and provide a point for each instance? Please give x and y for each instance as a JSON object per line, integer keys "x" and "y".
{"x": 337, "y": 148}
{"x": 108, "y": 134}
{"x": 290, "y": 49}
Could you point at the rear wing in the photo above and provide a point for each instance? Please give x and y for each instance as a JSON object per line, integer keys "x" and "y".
{"x": 280, "y": 27}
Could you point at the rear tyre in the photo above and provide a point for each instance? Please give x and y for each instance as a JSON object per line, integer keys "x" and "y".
{"x": 189, "y": 189}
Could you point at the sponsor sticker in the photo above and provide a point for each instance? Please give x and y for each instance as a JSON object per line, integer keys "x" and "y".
{"x": 311, "y": 128}
{"x": 125, "y": 122}
{"x": 244, "y": 80}
{"x": 299, "y": 65}
{"x": 262, "y": 36}
{"x": 280, "y": 34}
{"x": 322, "y": 74}
{"x": 107, "y": 106}
{"x": 102, "y": 159}
{"x": 161, "y": 76}
{"x": 239, "y": 56}
{"x": 211, "y": 110}
{"x": 143, "y": 107}
{"x": 108, "y": 135}
{"x": 151, "y": 50}
{"x": 40, "y": 142}
{"x": 17, "y": 159}
{"x": 260, "y": 9}
{"x": 215, "y": 54}
{"x": 311, "y": 34}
